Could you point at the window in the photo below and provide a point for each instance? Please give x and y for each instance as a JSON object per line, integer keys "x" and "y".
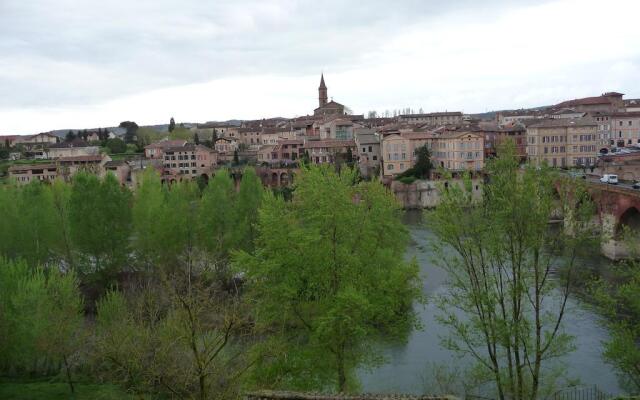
{"x": 370, "y": 149}
{"x": 389, "y": 167}
{"x": 376, "y": 157}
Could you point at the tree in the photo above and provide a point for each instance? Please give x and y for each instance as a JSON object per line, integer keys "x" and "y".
{"x": 499, "y": 253}
{"x": 217, "y": 217}
{"x": 148, "y": 214}
{"x": 36, "y": 231}
{"x": 172, "y": 124}
{"x": 214, "y": 136}
{"x": 100, "y": 222}
{"x": 349, "y": 156}
{"x": 196, "y": 139}
{"x": 70, "y": 136}
{"x": 247, "y": 205}
{"x": 617, "y": 299}
{"x": 329, "y": 279}
{"x": 116, "y": 146}
{"x": 236, "y": 160}
{"x": 61, "y": 195}
{"x": 132, "y": 129}
{"x": 423, "y": 166}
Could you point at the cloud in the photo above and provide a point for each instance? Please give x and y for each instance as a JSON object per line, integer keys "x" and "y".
{"x": 72, "y": 63}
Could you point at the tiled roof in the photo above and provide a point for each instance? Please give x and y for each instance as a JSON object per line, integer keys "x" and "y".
{"x": 314, "y": 144}
{"x": 67, "y": 145}
{"x": 26, "y": 167}
{"x": 563, "y": 122}
{"x": 95, "y": 158}
{"x": 165, "y": 144}
{"x": 434, "y": 114}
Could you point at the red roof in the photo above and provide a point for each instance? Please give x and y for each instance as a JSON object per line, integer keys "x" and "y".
{"x": 311, "y": 144}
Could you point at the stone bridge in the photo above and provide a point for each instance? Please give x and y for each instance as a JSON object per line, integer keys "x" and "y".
{"x": 618, "y": 207}
{"x": 271, "y": 177}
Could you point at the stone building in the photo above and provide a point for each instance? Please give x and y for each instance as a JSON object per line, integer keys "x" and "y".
{"x": 563, "y": 142}
{"x": 432, "y": 119}
{"x": 325, "y": 107}
{"x": 188, "y": 161}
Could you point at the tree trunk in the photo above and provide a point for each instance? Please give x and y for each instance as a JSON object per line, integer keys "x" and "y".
{"x": 68, "y": 371}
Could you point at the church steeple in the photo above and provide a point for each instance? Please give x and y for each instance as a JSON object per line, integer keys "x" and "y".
{"x": 322, "y": 92}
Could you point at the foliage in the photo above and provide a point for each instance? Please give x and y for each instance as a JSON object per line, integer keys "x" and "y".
{"x": 70, "y": 136}
{"x": 499, "y": 259}
{"x": 181, "y": 133}
{"x": 116, "y": 146}
{"x": 132, "y": 129}
{"x": 327, "y": 276}
{"x": 100, "y": 222}
{"x": 236, "y": 160}
{"x": 145, "y": 136}
{"x": 47, "y": 390}
{"x": 148, "y": 216}
{"x": 617, "y": 299}
{"x": 217, "y": 217}
{"x": 407, "y": 180}
{"x": 423, "y": 166}
{"x": 247, "y": 204}
{"x": 40, "y": 320}
{"x": 172, "y": 124}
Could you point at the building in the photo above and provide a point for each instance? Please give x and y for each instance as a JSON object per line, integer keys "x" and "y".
{"x": 325, "y": 107}
{"x": 69, "y": 166}
{"x": 155, "y": 151}
{"x": 188, "y": 161}
{"x": 120, "y": 169}
{"x": 566, "y": 113}
{"x": 289, "y": 150}
{"x": 563, "y": 142}
{"x": 329, "y": 151}
{"x": 8, "y": 140}
{"x": 632, "y": 105}
{"x": 432, "y": 119}
{"x": 607, "y": 102}
{"x": 41, "y": 140}
{"x": 76, "y": 147}
{"x": 396, "y": 155}
{"x": 338, "y": 128}
{"x": 26, "y": 173}
{"x": 512, "y": 116}
{"x": 625, "y": 128}
{"x": 225, "y": 147}
{"x": 368, "y": 145}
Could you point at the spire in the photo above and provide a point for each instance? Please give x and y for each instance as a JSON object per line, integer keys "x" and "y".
{"x": 322, "y": 92}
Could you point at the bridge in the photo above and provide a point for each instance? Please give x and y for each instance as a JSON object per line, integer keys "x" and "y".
{"x": 618, "y": 207}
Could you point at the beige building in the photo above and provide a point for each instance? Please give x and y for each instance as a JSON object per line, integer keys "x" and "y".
{"x": 24, "y": 174}
{"x": 563, "y": 142}
{"x": 76, "y": 147}
{"x": 625, "y": 128}
{"x": 155, "y": 151}
{"x": 188, "y": 161}
{"x": 329, "y": 151}
{"x": 432, "y": 119}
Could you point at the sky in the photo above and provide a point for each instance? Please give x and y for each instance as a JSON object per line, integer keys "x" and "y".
{"x": 88, "y": 63}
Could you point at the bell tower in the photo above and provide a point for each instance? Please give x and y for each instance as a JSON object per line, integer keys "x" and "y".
{"x": 322, "y": 92}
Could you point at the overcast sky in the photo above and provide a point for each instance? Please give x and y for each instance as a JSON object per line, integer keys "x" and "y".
{"x": 87, "y": 63}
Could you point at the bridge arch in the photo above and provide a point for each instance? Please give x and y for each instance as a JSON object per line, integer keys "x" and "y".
{"x": 630, "y": 219}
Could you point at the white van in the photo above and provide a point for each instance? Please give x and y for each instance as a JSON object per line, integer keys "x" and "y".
{"x": 608, "y": 178}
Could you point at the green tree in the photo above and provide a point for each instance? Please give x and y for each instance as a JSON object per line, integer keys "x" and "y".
{"x": 116, "y": 146}
{"x": 499, "y": 252}
{"x": 172, "y": 124}
{"x": 196, "y": 138}
{"x": 236, "y": 160}
{"x": 217, "y": 231}
{"x": 36, "y": 230}
{"x": 423, "y": 166}
{"x": 617, "y": 298}
{"x": 328, "y": 274}
{"x": 100, "y": 223}
{"x": 70, "y": 136}
{"x": 132, "y": 129}
{"x": 247, "y": 206}
{"x": 149, "y": 209}
{"x": 61, "y": 196}
{"x": 182, "y": 225}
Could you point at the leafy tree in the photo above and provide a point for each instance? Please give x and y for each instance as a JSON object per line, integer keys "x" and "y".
{"x": 70, "y": 136}
{"x": 132, "y": 129}
{"x": 182, "y": 225}
{"x": 61, "y": 196}
{"x": 149, "y": 209}
{"x": 100, "y": 222}
{"x": 217, "y": 217}
{"x": 499, "y": 253}
{"x": 616, "y": 297}
{"x": 349, "y": 158}
{"x": 36, "y": 231}
{"x": 145, "y": 136}
{"x": 423, "y": 166}
{"x": 305, "y": 158}
{"x": 247, "y": 205}
{"x": 116, "y": 146}
{"x": 214, "y": 136}
{"x": 328, "y": 275}
{"x": 172, "y": 124}
{"x": 196, "y": 139}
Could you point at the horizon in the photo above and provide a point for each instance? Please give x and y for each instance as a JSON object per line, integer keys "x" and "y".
{"x": 199, "y": 62}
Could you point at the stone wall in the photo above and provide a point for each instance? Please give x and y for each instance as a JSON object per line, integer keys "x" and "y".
{"x": 426, "y": 193}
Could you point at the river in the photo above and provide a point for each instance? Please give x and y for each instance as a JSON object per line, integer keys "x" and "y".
{"x": 406, "y": 364}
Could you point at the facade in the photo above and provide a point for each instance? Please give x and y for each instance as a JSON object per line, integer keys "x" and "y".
{"x": 120, "y": 169}
{"x": 625, "y": 128}
{"x": 325, "y": 107}
{"x": 607, "y": 102}
{"x": 225, "y": 148}
{"x": 328, "y": 151}
{"x": 24, "y": 174}
{"x": 368, "y": 145}
{"x": 76, "y": 147}
{"x": 41, "y": 139}
{"x": 513, "y": 116}
{"x": 289, "y": 150}
{"x": 188, "y": 161}
{"x": 155, "y": 151}
{"x": 69, "y": 166}
{"x": 432, "y": 119}
{"x": 563, "y": 142}
{"x": 396, "y": 155}
{"x": 338, "y": 128}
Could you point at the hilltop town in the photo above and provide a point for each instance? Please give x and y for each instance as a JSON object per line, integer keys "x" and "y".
{"x": 578, "y": 133}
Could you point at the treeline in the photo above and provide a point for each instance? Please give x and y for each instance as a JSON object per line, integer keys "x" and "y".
{"x": 189, "y": 293}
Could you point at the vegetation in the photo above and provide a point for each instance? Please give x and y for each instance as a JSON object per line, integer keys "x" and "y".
{"x": 132, "y": 129}
{"x": 116, "y": 146}
{"x": 499, "y": 262}
{"x": 328, "y": 278}
{"x": 100, "y": 285}
{"x": 421, "y": 169}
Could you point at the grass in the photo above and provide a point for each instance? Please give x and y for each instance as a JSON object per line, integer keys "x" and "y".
{"x": 45, "y": 390}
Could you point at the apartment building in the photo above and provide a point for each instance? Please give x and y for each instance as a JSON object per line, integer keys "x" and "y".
{"x": 24, "y": 174}
{"x": 76, "y": 147}
{"x": 563, "y": 142}
{"x": 328, "y": 151}
{"x": 155, "y": 151}
{"x": 189, "y": 161}
{"x": 432, "y": 119}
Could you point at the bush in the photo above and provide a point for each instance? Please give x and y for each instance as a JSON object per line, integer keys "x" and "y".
{"x": 407, "y": 180}
{"x": 116, "y": 146}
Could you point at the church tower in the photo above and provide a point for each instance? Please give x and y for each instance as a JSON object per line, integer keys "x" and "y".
{"x": 322, "y": 92}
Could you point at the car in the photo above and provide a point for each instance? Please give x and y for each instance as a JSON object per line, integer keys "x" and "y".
{"x": 610, "y": 179}
{"x": 636, "y": 185}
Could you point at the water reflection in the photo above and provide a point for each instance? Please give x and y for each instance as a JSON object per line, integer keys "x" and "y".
{"x": 406, "y": 363}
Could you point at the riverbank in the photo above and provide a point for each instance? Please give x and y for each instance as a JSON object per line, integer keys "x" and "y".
{"x": 408, "y": 366}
